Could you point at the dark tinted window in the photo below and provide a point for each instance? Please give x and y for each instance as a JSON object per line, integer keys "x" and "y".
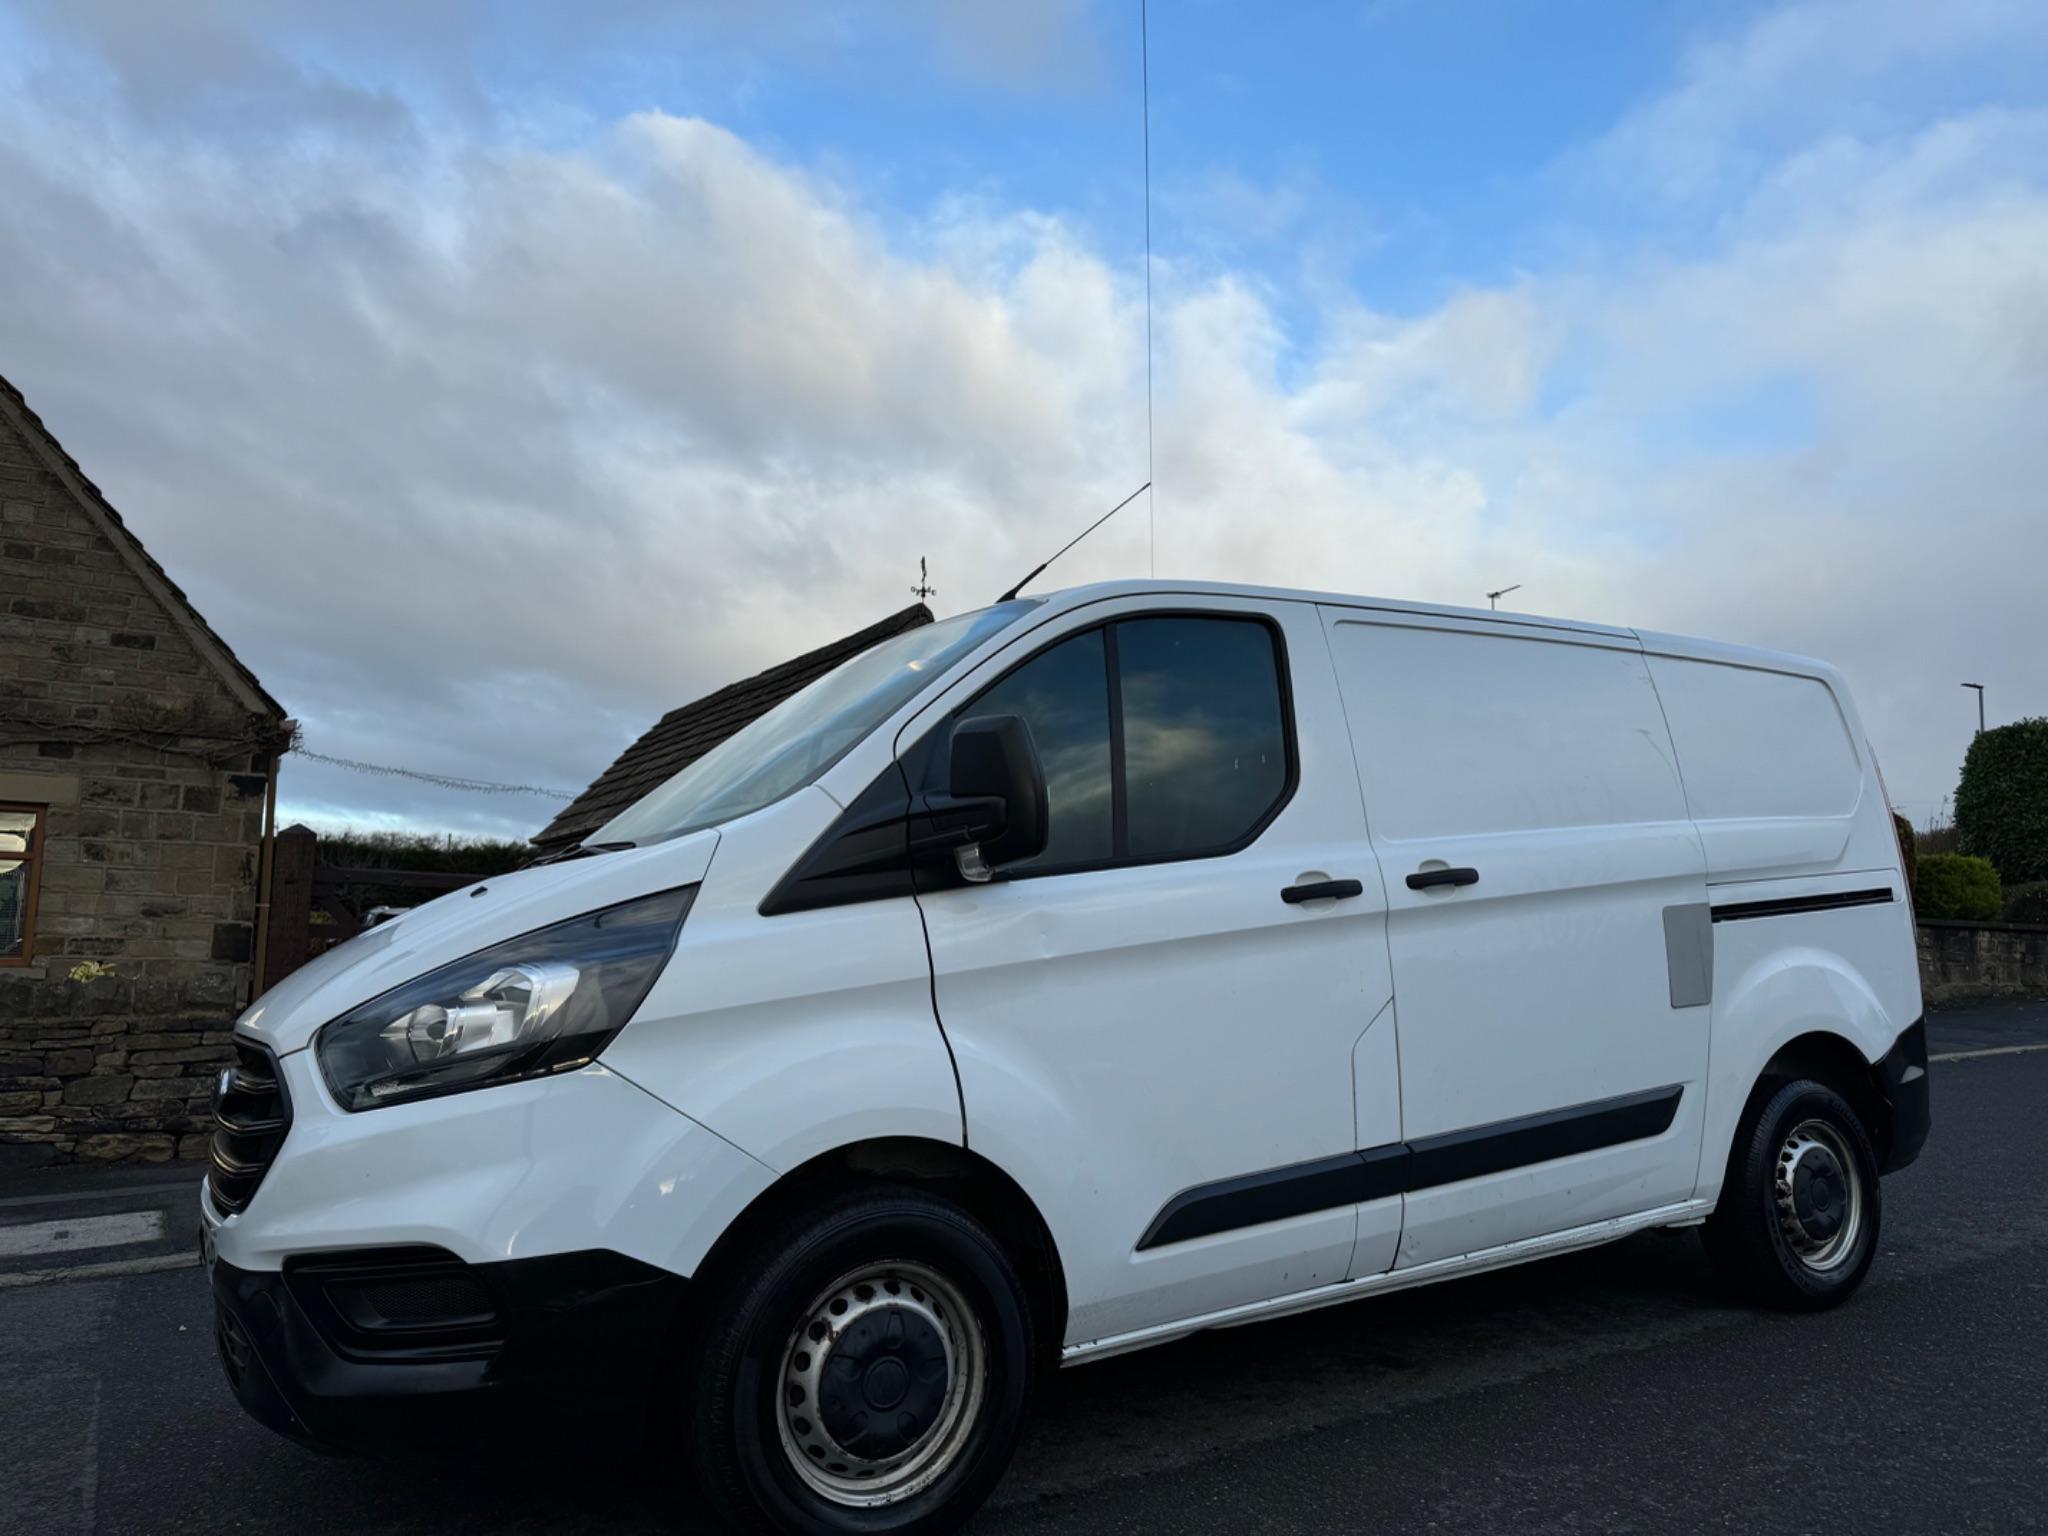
{"x": 1205, "y": 744}
{"x": 1063, "y": 695}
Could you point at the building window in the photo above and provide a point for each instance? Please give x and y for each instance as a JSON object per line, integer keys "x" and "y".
{"x": 21, "y": 867}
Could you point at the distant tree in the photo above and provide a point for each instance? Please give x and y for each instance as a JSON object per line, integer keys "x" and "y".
{"x": 2002, "y": 801}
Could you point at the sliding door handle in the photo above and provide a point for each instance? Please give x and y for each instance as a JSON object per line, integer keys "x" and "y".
{"x": 1321, "y": 890}
{"x": 1424, "y": 879}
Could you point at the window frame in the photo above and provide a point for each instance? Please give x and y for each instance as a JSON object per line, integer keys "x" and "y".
{"x": 32, "y": 860}
{"x": 1120, "y": 857}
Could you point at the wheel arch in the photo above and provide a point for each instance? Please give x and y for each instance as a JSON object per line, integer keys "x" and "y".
{"x": 968, "y": 1179}
{"x": 1837, "y": 1062}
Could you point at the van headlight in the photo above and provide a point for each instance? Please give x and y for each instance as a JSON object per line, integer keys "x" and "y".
{"x": 544, "y": 1002}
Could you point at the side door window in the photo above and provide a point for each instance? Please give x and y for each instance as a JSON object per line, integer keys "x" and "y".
{"x": 1205, "y": 750}
{"x": 1162, "y": 737}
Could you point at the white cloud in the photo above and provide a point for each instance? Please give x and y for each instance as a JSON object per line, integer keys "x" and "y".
{"x": 484, "y": 449}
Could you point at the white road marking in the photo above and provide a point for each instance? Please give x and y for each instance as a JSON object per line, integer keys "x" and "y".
{"x": 1994, "y": 1050}
{"x": 35, "y": 1238}
{"x": 14, "y": 1279}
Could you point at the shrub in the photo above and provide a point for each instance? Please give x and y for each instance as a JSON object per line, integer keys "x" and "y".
{"x": 2027, "y": 903}
{"x": 2002, "y": 801}
{"x": 1954, "y": 885}
{"x": 422, "y": 850}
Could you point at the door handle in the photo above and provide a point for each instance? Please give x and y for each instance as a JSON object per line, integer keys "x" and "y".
{"x": 1321, "y": 890}
{"x": 1423, "y": 879}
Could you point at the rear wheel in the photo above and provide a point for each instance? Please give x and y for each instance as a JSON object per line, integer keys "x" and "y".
{"x": 1797, "y": 1224}
{"x": 867, "y": 1372}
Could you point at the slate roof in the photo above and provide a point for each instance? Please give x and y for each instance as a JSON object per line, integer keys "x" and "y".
{"x": 211, "y": 648}
{"x": 683, "y": 735}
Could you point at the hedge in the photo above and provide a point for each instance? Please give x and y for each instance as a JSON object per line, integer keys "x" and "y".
{"x": 2027, "y": 903}
{"x": 2002, "y": 801}
{"x": 1954, "y": 885}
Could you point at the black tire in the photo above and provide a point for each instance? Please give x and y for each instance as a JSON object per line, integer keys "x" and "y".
{"x": 1776, "y": 1246}
{"x": 741, "y": 1369}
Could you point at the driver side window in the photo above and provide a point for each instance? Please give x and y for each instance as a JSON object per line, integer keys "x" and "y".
{"x": 1161, "y": 737}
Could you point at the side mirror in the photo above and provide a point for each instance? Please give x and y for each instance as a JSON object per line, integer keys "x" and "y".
{"x": 994, "y": 811}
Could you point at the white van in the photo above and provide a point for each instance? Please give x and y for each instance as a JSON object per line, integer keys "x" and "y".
{"x": 1064, "y": 978}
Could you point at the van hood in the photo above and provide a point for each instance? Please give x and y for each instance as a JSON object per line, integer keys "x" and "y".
{"x": 502, "y": 907}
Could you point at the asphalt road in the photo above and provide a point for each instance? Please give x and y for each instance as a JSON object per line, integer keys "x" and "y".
{"x": 1613, "y": 1390}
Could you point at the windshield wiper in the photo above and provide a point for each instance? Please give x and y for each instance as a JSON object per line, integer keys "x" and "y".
{"x": 581, "y": 851}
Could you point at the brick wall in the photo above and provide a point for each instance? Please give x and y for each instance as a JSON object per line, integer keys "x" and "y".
{"x": 153, "y": 772}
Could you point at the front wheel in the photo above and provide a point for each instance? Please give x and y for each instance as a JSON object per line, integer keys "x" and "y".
{"x": 1797, "y": 1223}
{"x": 868, "y": 1372}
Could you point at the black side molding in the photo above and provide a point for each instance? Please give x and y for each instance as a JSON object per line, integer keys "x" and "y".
{"x": 1457, "y": 1155}
{"x": 1785, "y": 906}
{"x": 1402, "y": 1167}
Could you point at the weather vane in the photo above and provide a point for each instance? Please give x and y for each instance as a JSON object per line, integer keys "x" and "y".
{"x": 924, "y": 588}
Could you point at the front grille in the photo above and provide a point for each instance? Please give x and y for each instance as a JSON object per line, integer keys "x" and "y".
{"x": 251, "y": 1113}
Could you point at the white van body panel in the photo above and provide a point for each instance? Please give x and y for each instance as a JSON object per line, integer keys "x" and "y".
{"x": 1127, "y": 1034}
{"x": 1778, "y": 774}
{"x": 561, "y": 1165}
{"x": 1852, "y": 972}
{"x": 794, "y": 1035}
{"x": 1538, "y": 760}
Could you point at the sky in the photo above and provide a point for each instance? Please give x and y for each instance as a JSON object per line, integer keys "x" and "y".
{"x": 496, "y": 377}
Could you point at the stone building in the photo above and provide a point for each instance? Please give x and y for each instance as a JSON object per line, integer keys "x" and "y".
{"x": 137, "y": 775}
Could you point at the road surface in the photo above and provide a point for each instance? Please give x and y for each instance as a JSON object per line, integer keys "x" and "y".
{"x": 1607, "y": 1391}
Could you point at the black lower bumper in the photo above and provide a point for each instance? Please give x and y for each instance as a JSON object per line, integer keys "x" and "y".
{"x": 403, "y": 1350}
{"x": 1902, "y": 1079}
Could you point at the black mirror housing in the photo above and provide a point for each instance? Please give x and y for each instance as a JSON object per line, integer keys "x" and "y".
{"x": 997, "y": 786}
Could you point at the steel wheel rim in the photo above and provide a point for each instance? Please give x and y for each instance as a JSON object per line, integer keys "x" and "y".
{"x": 888, "y": 1297}
{"x": 1818, "y": 1192}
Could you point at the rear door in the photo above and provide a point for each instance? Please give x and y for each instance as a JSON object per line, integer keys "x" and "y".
{"x": 1547, "y": 923}
{"x": 1152, "y": 1038}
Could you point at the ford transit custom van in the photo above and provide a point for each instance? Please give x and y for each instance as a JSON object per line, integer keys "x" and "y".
{"x": 1064, "y": 978}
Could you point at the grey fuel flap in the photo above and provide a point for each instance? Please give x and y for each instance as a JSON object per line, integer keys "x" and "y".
{"x": 1689, "y": 951}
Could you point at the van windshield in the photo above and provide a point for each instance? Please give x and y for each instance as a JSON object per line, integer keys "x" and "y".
{"x": 797, "y": 740}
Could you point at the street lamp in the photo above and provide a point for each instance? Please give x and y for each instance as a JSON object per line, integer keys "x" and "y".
{"x": 1493, "y": 598}
{"x": 1980, "y": 705}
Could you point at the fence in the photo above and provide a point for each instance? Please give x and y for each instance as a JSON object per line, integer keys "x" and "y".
{"x": 315, "y": 906}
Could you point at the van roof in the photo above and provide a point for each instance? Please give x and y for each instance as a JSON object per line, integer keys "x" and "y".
{"x": 1652, "y": 640}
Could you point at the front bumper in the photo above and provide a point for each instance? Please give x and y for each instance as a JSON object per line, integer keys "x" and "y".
{"x": 411, "y": 1350}
{"x": 1902, "y": 1079}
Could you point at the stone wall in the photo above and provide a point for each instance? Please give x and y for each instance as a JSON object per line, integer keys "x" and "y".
{"x": 107, "y": 1071}
{"x": 1976, "y": 960}
{"x": 122, "y": 721}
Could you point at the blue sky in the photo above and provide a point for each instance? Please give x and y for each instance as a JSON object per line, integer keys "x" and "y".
{"x": 478, "y": 364}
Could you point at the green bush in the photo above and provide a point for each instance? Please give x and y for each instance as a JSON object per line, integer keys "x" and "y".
{"x": 1955, "y": 885}
{"x": 2027, "y": 903}
{"x": 422, "y": 850}
{"x": 2002, "y": 801}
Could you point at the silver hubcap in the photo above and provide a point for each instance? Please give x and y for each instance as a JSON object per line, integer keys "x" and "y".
{"x": 1819, "y": 1195}
{"x": 881, "y": 1384}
